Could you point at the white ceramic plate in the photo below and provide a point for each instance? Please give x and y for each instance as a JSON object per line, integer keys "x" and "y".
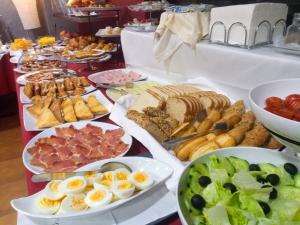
{"x": 93, "y": 77}
{"x": 127, "y": 139}
{"x": 30, "y": 121}
{"x": 159, "y": 171}
{"x": 251, "y": 154}
{"x": 25, "y": 100}
{"x": 14, "y": 59}
{"x": 22, "y": 79}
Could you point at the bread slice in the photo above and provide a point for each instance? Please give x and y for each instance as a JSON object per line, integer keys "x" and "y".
{"x": 178, "y": 109}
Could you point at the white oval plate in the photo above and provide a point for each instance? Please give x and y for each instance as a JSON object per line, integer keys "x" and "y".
{"x": 93, "y": 77}
{"x": 251, "y": 154}
{"x": 22, "y": 79}
{"x": 159, "y": 171}
{"x": 127, "y": 139}
{"x": 25, "y": 100}
{"x": 30, "y": 120}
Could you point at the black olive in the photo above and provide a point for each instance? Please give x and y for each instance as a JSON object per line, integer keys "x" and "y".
{"x": 261, "y": 180}
{"x": 273, "y": 194}
{"x": 265, "y": 207}
{"x": 188, "y": 185}
{"x": 290, "y": 168}
{"x": 198, "y": 202}
{"x": 230, "y": 186}
{"x": 266, "y": 186}
{"x": 254, "y": 167}
{"x": 273, "y": 179}
{"x": 204, "y": 181}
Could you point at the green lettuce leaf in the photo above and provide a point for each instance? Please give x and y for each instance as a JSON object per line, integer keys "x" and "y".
{"x": 250, "y": 204}
{"x": 217, "y": 215}
{"x": 244, "y": 180}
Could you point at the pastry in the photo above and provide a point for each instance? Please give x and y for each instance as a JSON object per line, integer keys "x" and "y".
{"x": 46, "y": 119}
{"x": 68, "y": 110}
{"x": 56, "y": 110}
{"x": 35, "y": 110}
{"x": 95, "y": 105}
{"x": 82, "y": 111}
{"x": 28, "y": 90}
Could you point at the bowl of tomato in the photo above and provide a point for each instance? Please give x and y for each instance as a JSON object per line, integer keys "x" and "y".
{"x": 277, "y": 105}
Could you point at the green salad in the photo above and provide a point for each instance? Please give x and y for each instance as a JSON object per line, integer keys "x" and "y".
{"x": 230, "y": 191}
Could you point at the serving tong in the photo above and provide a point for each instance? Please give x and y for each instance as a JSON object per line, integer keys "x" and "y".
{"x": 45, "y": 177}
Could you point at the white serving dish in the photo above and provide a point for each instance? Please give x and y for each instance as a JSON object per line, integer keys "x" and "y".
{"x": 30, "y": 120}
{"x": 158, "y": 170}
{"x": 250, "y": 15}
{"x": 25, "y": 100}
{"x": 251, "y": 154}
{"x": 93, "y": 77}
{"x": 284, "y": 130}
{"x": 127, "y": 139}
{"x": 22, "y": 79}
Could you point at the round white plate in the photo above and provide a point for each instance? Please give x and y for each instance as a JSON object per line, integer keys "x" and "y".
{"x": 22, "y": 79}
{"x": 14, "y": 59}
{"x": 251, "y": 154}
{"x": 127, "y": 139}
{"x": 93, "y": 77}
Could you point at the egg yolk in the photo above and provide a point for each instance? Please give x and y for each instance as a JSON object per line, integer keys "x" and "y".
{"x": 97, "y": 195}
{"x": 74, "y": 184}
{"x": 106, "y": 183}
{"x": 90, "y": 174}
{"x": 121, "y": 176}
{"x": 53, "y": 186}
{"x": 108, "y": 176}
{"x": 88, "y": 188}
{"x": 46, "y": 203}
{"x": 140, "y": 177}
{"x": 124, "y": 186}
{"x": 78, "y": 203}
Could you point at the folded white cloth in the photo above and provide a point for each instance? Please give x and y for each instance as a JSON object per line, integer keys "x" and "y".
{"x": 177, "y": 28}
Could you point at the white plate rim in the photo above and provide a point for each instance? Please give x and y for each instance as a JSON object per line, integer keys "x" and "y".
{"x": 105, "y": 126}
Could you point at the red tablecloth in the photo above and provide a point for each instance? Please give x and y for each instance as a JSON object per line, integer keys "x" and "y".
{"x": 32, "y": 188}
{"x": 7, "y": 78}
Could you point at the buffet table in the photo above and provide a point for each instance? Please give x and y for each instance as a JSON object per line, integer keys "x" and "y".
{"x": 7, "y": 81}
{"x": 236, "y": 67}
{"x": 136, "y": 148}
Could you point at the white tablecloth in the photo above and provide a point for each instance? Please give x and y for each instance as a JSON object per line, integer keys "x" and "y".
{"x": 229, "y": 66}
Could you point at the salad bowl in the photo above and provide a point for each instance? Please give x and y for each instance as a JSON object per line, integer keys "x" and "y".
{"x": 251, "y": 154}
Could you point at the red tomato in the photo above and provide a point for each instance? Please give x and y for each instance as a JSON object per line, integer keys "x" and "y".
{"x": 297, "y": 116}
{"x": 286, "y": 113}
{"x": 274, "y": 102}
{"x": 293, "y": 104}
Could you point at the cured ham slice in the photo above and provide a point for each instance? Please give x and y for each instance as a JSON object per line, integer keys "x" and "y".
{"x": 117, "y": 77}
{"x": 72, "y": 148}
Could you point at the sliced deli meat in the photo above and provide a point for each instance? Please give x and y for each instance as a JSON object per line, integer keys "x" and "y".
{"x": 72, "y": 148}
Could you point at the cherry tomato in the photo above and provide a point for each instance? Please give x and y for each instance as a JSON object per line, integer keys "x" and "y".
{"x": 293, "y": 104}
{"x": 297, "y": 116}
{"x": 274, "y": 102}
{"x": 286, "y": 113}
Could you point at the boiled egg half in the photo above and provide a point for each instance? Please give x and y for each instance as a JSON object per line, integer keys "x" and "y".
{"x": 47, "y": 206}
{"x": 98, "y": 197}
{"x": 73, "y": 203}
{"x": 51, "y": 190}
{"x": 72, "y": 185}
{"x": 141, "y": 179}
{"x": 121, "y": 174}
{"x": 123, "y": 189}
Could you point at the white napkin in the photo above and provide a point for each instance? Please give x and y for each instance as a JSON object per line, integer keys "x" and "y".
{"x": 175, "y": 29}
{"x": 118, "y": 115}
{"x": 145, "y": 209}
